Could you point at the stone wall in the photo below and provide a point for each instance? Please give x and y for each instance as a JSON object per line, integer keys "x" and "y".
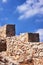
{"x": 17, "y": 47}
{"x": 29, "y": 37}
{"x": 3, "y": 31}
{"x": 10, "y": 30}
{"x": 22, "y": 53}
{"x": 33, "y": 37}
{"x": 23, "y": 49}
{"x": 25, "y": 53}
{"x": 3, "y": 46}
{"x": 22, "y": 38}
{"x": 7, "y": 30}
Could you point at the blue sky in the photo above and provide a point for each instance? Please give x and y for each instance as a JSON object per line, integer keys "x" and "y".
{"x": 27, "y": 15}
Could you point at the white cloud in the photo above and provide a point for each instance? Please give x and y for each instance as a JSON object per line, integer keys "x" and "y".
{"x": 30, "y": 8}
{"x": 40, "y": 31}
{"x": 4, "y": 1}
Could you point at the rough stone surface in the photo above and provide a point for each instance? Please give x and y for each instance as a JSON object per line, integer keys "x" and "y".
{"x": 3, "y": 46}
{"x": 30, "y": 53}
{"x": 7, "y": 30}
{"x": 19, "y": 51}
{"x": 29, "y": 37}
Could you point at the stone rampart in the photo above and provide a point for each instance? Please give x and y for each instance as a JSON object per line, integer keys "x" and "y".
{"x": 7, "y": 31}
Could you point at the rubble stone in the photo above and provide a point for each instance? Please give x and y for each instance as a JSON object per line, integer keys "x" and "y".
{"x": 3, "y": 45}
{"x": 41, "y": 54}
{"x": 20, "y": 49}
{"x": 7, "y": 30}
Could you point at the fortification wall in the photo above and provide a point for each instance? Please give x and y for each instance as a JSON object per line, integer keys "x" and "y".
{"x": 3, "y": 46}
{"x": 29, "y": 37}
{"x": 7, "y": 30}
{"x": 21, "y": 53}
{"x": 19, "y": 47}
{"x": 22, "y": 38}
{"x": 3, "y": 31}
{"x": 24, "y": 49}
{"x": 29, "y": 53}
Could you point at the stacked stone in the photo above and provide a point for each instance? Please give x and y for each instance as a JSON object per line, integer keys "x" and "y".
{"x": 3, "y": 45}
{"x": 10, "y": 60}
{"x": 23, "y": 50}
{"x": 29, "y": 37}
{"x": 7, "y": 61}
{"x": 3, "y": 32}
{"x": 7, "y": 31}
{"x": 23, "y": 37}
{"x": 10, "y": 30}
{"x": 21, "y": 53}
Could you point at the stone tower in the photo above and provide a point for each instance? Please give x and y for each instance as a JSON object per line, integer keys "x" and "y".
{"x": 10, "y": 30}
{"x": 7, "y": 30}
{"x": 29, "y": 37}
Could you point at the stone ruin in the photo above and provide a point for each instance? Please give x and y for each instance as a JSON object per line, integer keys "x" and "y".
{"x": 23, "y": 49}
{"x": 9, "y": 31}
{"x": 6, "y": 31}
{"x": 30, "y": 37}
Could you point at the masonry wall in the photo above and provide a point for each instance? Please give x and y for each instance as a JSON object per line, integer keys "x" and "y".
{"x": 3, "y": 46}
{"x": 3, "y": 31}
{"x": 33, "y": 37}
{"x": 29, "y": 37}
{"x": 10, "y": 30}
{"x": 7, "y": 30}
{"x": 23, "y": 37}
{"x": 28, "y": 53}
{"x": 24, "y": 50}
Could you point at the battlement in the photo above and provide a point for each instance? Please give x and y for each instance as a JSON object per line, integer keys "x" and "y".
{"x": 29, "y": 37}
{"x": 7, "y": 30}
{"x": 23, "y": 49}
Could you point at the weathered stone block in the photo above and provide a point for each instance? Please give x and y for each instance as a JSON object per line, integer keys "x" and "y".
{"x": 33, "y": 37}
{"x": 41, "y": 54}
{"x": 7, "y": 30}
{"x": 10, "y": 30}
{"x": 3, "y": 45}
{"x": 29, "y": 37}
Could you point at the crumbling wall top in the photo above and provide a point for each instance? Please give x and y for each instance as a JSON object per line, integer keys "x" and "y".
{"x": 7, "y": 30}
